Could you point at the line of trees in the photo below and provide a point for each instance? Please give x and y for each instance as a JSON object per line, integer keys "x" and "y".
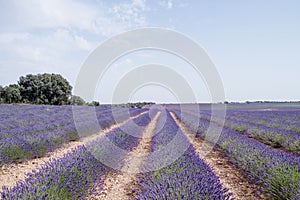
{"x": 136, "y": 105}
{"x": 51, "y": 89}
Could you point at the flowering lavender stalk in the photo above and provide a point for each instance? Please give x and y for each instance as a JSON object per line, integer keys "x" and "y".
{"x": 30, "y": 131}
{"x": 275, "y": 128}
{"x": 277, "y": 172}
{"x": 189, "y": 177}
{"x": 73, "y": 176}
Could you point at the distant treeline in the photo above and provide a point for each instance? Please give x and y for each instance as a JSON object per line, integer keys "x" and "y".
{"x": 136, "y": 105}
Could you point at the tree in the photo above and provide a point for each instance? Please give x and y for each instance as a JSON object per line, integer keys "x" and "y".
{"x": 11, "y": 94}
{"x": 77, "y": 101}
{"x": 94, "y": 103}
{"x": 45, "y": 89}
{"x": 1, "y": 94}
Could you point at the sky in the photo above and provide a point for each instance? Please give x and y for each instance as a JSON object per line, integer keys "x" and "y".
{"x": 255, "y": 45}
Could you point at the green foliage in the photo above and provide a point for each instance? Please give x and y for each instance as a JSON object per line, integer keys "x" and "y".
{"x": 284, "y": 182}
{"x": 45, "y": 88}
{"x": 136, "y": 105}
{"x": 224, "y": 145}
{"x": 51, "y": 89}
{"x": 16, "y": 153}
{"x": 72, "y": 135}
{"x": 77, "y": 101}
{"x": 294, "y": 146}
{"x": 94, "y": 103}
{"x": 10, "y": 94}
{"x": 241, "y": 128}
{"x": 1, "y": 94}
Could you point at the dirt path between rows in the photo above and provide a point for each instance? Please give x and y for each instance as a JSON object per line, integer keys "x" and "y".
{"x": 119, "y": 185}
{"x": 10, "y": 174}
{"x": 230, "y": 176}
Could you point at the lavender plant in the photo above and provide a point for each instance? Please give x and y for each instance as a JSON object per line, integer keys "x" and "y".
{"x": 275, "y": 128}
{"x": 73, "y": 176}
{"x": 188, "y": 177}
{"x": 30, "y": 131}
{"x": 277, "y": 172}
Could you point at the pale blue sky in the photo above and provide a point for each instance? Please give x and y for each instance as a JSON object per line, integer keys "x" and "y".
{"x": 255, "y": 44}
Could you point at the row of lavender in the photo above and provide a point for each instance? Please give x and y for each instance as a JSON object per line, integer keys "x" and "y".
{"x": 74, "y": 176}
{"x": 277, "y": 172}
{"x": 275, "y": 128}
{"x": 29, "y": 131}
{"x": 282, "y": 119}
{"x": 187, "y": 177}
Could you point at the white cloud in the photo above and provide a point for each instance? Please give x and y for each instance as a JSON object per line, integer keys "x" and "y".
{"x": 130, "y": 13}
{"x": 60, "y": 51}
{"x": 55, "y": 35}
{"x": 6, "y": 38}
{"x": 51, "y": 14}
{"x": 121, "y": 17}
{"x": 71, "y": 14}
{"x": 168, "y": 4}
{"x": 83, "y": 44}
{"x": 182, "y": 5}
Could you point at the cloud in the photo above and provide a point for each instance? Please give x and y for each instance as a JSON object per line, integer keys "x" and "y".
{"x": 130, "y": 13}
{"x": 56, "y": 36}
{"x": 6, "y": 38}
{"x": 168, "y": 4}
{"x": 71, "y": 14}
{"x": 60, "y": 51}
{"x": 121, "y": 17}
{"x": 83, "y": 44}
{"x": 34, "y": 14}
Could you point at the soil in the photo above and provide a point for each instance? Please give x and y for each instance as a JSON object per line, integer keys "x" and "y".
{"x": 229, "y": 175}
{"x": 12, "y": 173}
{"x": 119, "y": 185}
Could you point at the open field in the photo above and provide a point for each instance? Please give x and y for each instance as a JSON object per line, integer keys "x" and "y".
{"x": 159, "y": 156}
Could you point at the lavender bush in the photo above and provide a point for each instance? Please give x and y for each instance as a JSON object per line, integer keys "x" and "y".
{"x": 188, "y": 177}
{"x": 73, "y": 176}
{"x": 275, "y": 128}
{"x": 30, "y": 131}
{"x": 277, "y": 172}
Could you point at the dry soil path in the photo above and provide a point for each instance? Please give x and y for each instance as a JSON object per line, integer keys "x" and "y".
{"x": 10, "y": 174}
{"x": 228, "y": 174}
{"x": 119, "y": 185}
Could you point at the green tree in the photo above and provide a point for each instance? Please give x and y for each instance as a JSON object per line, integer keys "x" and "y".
{"x": 77, "y": 101}
{"x": 94, "y": 103}
{"x": 45, "y": 89}
{"x": 1, "y": 94}
{"x": 12, "y": 94}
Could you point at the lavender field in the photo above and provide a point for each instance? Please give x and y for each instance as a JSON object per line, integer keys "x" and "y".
{"x": 257, "y": 155}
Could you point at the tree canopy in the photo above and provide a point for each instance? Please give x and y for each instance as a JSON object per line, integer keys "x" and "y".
{"x": 77, "y": 101}
{"x": 1, "y": 94}
{"x": 10, "y": 94}
{"x": 45, "y": 88}
{"x": 51, "y": 89}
